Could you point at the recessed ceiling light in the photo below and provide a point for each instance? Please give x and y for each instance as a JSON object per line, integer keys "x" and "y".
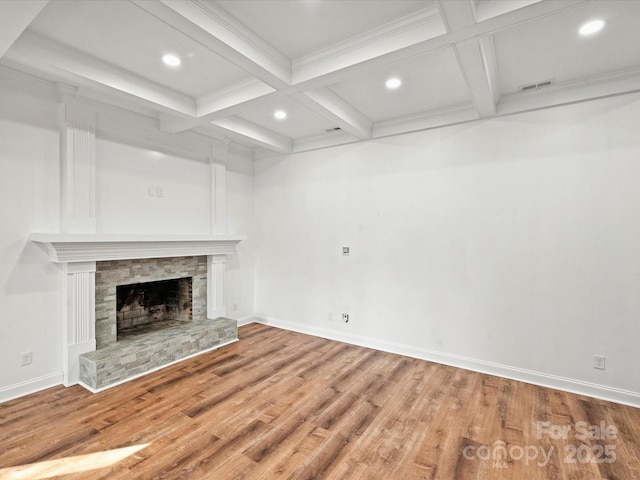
{"x": 171, "y": 60}
{"x": 280, "y": 114}
{"x": 393, "y": 83}
{"x": 591, "y": 27}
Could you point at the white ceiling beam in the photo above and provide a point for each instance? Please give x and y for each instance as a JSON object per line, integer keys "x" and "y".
{"x": 34, "y": 50}
{"x": 336, "y": 71}
{"x": 221, "y": 101}
{"x": 211, "y": 26}
{"x": 476, "y": 74}
{"x": 255, "y": 134}
{"x": 326, "y": 103}
{"x": 172, "y": 123}
{"x": 493, "y": 8}
{"x": 488, "y": 53}
{"x": 393, "y": 36}
{"x": 458, "y": 16}
{"x": 15, "y": 17}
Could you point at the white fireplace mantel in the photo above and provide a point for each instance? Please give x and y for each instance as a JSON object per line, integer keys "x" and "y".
{"x": 71, "y": 248}
{"x": 78, "y": 253}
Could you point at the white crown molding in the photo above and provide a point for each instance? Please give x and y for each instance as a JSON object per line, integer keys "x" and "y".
{"x": 588, "y": 88}
{"x": 70, "y": 248}
{"x": 436, "y": 118}
{"x": 317, "y": 142}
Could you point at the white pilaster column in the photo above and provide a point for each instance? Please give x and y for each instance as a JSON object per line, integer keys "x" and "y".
{"x": 216, "y": 265}
{"x": 78, "y": 164}
{"x": 79, "y": 316}
{"x": 78, "y": 215}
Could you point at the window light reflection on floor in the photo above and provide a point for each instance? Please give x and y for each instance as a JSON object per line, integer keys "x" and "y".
{"x": 69, "y": 465}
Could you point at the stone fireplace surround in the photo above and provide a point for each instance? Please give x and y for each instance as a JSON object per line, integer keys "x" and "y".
{"x": 78, "y": 255}
{"x": 113, "y": 273}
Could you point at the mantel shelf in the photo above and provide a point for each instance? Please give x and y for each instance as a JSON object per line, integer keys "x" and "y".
{"x": 68, "y": 248}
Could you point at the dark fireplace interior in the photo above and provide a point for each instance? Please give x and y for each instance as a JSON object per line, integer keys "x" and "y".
{"x": 146, "y": 307}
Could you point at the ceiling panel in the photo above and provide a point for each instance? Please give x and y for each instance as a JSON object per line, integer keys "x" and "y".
{"x": 300, "y": 122}
{"x": 123, "y": 35}
{"x": 323, "y": 61}
{"x": 429, "y": 82}
{"x": 297, "y": 28}
{"x": 552, "y": 48}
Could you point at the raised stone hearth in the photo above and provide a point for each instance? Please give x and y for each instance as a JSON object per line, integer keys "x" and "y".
{"x": 130, "y": 358}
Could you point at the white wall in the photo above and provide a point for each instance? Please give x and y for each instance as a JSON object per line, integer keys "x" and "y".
{"x": 240, "y": 220}
{"x": 30, "y": 285}
{"x": 510, "y": 245}
{"x": 29, "y": 202}
{"x": 124, "y": 174}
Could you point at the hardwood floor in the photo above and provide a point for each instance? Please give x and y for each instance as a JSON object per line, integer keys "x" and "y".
{"x": 283, "y": 405}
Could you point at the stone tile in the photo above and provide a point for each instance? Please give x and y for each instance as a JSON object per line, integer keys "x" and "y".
{"x": 122, "y": 360}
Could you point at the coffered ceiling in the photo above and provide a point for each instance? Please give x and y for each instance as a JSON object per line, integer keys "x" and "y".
{"x": 323, "y": 62}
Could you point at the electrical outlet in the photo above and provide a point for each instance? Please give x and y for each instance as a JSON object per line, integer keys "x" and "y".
{"x": 235, "y": 307}
{"x": 330, "y": 316}
{"x": 345, "y": 317}
{"x": 598, "y": 362}
{"x": 26, "y": 358}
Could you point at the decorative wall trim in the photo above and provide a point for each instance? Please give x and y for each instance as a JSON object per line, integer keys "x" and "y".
{"x": 216, "y": 265}
{"x": 579, "y": 387}
{"x": 80, "y": 248}
{"x": 78, "y": 327}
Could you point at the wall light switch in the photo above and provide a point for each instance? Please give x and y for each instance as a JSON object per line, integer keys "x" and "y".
{"x": 152, "y": 191}
{"x": 345, "y": 251}
{"x": 160, "y": 191}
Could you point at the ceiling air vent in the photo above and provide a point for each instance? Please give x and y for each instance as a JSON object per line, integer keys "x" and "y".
{"x": 334, "y": 129}
{"x": 536, "y": 86}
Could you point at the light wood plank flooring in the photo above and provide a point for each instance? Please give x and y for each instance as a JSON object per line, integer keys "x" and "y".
{"x": 282, "y": 405}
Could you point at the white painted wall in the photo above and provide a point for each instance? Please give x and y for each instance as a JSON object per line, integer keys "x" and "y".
{"x": 510, "y": 245}
{"x": 30, "y": 285}
{"x": 240, "y": 220}
{"x": 124, "y": 174}
{"x": 29, "y": 202}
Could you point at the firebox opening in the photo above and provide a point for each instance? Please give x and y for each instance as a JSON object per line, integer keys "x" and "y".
{"x": 150, "y": 306}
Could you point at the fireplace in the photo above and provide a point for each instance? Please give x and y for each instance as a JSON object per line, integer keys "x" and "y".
{"x": 94, "y": 266}
{"x": 151, "y": 306}
{"x": 137, "y": 296}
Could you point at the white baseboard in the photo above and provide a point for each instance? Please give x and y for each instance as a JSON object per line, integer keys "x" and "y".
{"x": 580, "y": 387}
{"x": 30, "y": 386}
{"x": 247, "y": 320}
